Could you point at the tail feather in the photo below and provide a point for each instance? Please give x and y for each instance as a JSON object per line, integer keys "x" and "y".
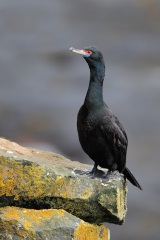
{"x": 131, "y": 178}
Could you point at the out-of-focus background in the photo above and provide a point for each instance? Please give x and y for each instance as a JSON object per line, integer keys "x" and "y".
{"x": 42, "y": 85}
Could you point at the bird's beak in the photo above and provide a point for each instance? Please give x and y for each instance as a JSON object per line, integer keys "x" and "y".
{"x": 82, "y": 52}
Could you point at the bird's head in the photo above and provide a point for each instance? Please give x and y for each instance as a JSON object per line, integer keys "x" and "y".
{"x": 92, "y": 55}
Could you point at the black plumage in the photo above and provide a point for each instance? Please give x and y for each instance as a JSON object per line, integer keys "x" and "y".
{"x": 101, "y": 135}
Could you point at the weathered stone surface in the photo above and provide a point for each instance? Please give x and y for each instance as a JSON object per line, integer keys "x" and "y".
{"x": 34, "y": 179}
{"x": 20, "y": 223}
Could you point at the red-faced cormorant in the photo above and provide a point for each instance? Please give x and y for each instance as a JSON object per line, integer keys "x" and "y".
{"x": 101, "y": 135}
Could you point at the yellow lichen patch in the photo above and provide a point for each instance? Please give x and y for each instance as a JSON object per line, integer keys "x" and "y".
{"x": 9, "y": 173}
{"x": 30, "y": 218}
{"x": 19, "y": 179}
{"x": 29, "y": 180}
{"x": 29, "y": 223}
{"x": 121, "y": 204}
{"x": 64, "y": 187}
{"x": 10, "y": 213}
{"x": 86, "y": 193}
{"x": 2, "y": 188}
{"x": 86, "y": 231}
{"x": 68, "y": 188}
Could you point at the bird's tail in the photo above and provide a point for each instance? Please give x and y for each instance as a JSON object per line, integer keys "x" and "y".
{"x": 131, "y": 178}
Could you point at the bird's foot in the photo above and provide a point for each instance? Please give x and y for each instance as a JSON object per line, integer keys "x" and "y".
{"x": 110, "y": 175}
{"x": 95, "y": 173}
{"x": 80, "y": 172}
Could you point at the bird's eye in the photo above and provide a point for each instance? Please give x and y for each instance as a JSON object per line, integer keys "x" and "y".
{"x": 88, "y": 51}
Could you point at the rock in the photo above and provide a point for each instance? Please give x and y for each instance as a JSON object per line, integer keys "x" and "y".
{"x": 17, "y": 223}
{"x": 34, "y": 179}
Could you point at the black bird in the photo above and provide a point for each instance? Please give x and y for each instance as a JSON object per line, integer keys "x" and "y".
{"x": 101, "y": 135}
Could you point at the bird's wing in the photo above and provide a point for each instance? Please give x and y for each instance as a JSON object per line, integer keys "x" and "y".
{"x": 116, "y": 138}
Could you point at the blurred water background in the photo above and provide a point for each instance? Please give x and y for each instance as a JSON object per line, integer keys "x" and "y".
{"x": 43, "y": 85}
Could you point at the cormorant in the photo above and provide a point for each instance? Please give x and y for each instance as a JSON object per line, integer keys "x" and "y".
{"x": 101, "y": 135}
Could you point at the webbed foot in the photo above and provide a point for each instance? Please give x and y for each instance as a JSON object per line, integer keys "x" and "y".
{"x": 95, "y": 173}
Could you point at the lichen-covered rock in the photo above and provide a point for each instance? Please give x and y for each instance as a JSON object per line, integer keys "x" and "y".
{"x": 51, "y": 224}
{"x": 35, "y": 179}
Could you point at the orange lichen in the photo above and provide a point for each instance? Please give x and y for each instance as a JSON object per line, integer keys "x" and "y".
{"x": 29, "y": 218}
{"x": 2, "y": 188}
{"x": 32, "y": 181}
{"x": 67, "y": 188}
{"x": 86, "y": 231}
{"x": 27, "y": 222}
{"x": 17, "y": 179}
{"x": 62, "y": 187}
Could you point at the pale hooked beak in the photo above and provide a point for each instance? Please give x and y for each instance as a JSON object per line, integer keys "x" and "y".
{"x": 82, "y": 52}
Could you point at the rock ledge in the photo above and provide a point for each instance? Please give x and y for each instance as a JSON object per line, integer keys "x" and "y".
{"x": 38, "y": 180}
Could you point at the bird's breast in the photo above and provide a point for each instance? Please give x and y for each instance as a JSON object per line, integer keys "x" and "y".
{"x": 85, "y": 121}
{"x": 86, "y": 125}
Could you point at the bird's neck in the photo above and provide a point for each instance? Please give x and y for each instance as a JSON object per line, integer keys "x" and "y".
{"x": 94, "y": 96}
